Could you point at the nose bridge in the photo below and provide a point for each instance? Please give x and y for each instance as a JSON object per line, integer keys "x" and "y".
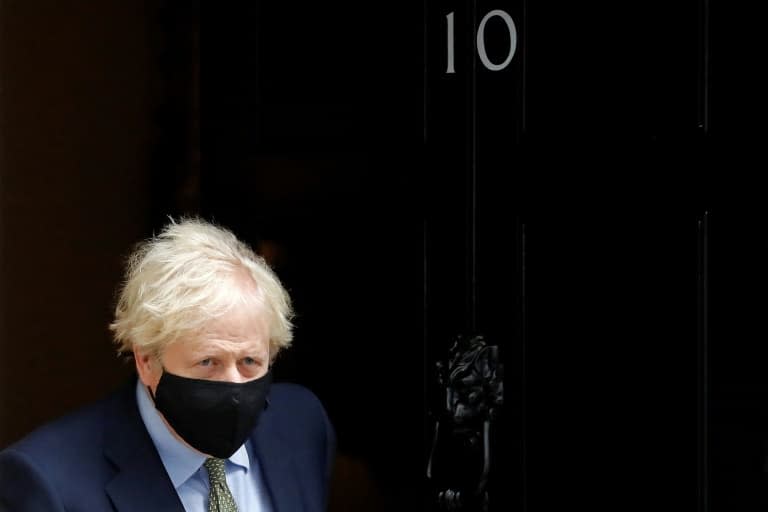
{"x": 230, "y": 372}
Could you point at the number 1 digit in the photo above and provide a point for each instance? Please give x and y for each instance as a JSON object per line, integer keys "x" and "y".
{"x": 450, "y": 68}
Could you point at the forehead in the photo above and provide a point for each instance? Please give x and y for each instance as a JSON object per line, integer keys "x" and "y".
{"x": 244, "y": 329}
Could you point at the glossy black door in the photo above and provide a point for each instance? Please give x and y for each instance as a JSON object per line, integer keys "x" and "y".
{"x": 566, "y": 177}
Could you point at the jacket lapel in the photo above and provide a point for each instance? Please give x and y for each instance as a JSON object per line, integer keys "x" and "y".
{"x": 277, "y": 466}
{"x": 140, "y": 482}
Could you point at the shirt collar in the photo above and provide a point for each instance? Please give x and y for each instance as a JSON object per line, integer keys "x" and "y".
{"x": 180, "y": 461}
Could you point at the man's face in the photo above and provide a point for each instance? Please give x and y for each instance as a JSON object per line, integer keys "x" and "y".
{"x": 233, "y": 348}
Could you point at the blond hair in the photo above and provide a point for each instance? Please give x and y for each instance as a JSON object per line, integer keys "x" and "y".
{"x": 189, "y": 274}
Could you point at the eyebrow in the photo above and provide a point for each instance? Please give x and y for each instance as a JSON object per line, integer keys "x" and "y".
{"x": 216, "y": 349}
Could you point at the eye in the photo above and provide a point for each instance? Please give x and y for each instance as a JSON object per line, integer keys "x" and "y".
{"x": 206, "y": 362}
{"x": 249, "y": 361}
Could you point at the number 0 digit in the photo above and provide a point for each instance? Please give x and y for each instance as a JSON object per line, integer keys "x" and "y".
{"x": 481, "y": 39}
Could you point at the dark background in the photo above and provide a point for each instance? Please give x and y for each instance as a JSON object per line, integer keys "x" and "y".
{"x": 595, "y": 209}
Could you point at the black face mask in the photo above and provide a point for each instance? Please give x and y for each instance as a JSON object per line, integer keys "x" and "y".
{"x": 213, "y": 417}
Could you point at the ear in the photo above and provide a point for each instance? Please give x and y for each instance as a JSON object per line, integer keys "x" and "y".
{"x": 148, "y": 367}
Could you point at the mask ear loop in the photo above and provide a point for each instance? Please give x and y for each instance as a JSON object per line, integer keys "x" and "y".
{"x": 149, "y": 390}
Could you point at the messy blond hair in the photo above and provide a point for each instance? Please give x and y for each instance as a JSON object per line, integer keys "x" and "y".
{"x": 189, "y": 274}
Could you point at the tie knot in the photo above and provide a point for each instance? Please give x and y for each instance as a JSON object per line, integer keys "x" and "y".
{"x": 219, "y": 496}
{"x": 215, "y": 469}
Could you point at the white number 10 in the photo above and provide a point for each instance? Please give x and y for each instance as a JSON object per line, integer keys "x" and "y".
{"x": 481, "y": 41}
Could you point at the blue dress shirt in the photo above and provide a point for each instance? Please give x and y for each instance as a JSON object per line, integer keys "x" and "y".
{"x": 185, "y": 466}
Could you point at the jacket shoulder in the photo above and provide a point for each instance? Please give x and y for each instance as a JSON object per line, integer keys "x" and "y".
{"x": 296, "y": 401}
{"x": 62, "y": 461}
{"x": 290, "y": 394}
{"x": 78, "y": 435}
{"x": 299, "y": 412}
{"x": 305, "y": 425}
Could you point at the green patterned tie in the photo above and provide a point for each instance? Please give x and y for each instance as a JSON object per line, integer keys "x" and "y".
{"x": 219, "y": 497}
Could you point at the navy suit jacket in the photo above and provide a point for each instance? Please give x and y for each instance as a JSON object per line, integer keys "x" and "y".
{"x": 101, "y": 458}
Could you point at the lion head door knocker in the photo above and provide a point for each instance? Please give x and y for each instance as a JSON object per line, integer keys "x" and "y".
{"x": 460, "y": 457}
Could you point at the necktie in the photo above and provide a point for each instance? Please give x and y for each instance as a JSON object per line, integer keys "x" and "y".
{"x": 219, "y": 497}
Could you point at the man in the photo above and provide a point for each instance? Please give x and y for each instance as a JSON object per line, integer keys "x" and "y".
{"x": 202, "y": 428}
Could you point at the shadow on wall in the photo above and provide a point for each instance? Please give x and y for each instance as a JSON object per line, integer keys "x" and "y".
{"x": 76, "y": 111}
